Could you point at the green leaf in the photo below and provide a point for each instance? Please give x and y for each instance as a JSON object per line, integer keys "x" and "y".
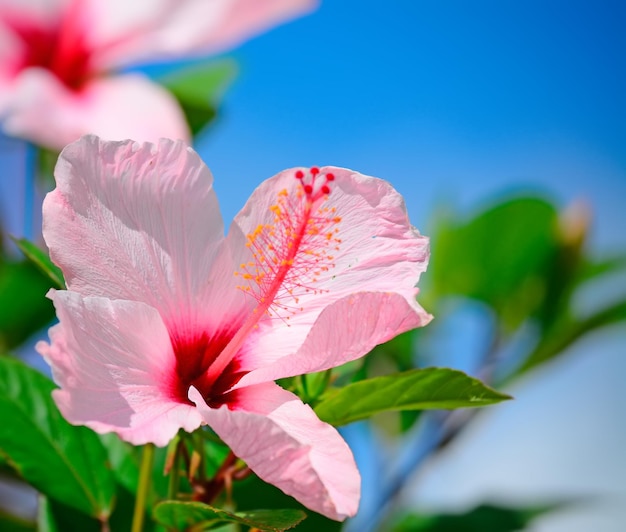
{"x": 484, "y": 518}
{"x": 499, "y": 257}
{"x": 24, "y": 308}
{"x": 124, "y": 459}
{"x": 399, "y": 349}
{"x": 55, "y": 517}
{"x": 46, "y": 162}
{"x": 62, "y": 461}
{"x": 418, "y": 389}
{"x": 40, "y": 259}
{"x": 198, "y": 90}
{"x": 196, "y": 516}
{"x": 592, "y": 268}
{"x": 10, "y": 523}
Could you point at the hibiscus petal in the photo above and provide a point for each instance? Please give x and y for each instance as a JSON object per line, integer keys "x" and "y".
{"x": 114, "y": 363}
{"x": 38, "y": 11}
{"x": 378, "y": 249}
{"x": 284, "y": 443}
{"x": 46, "y": 112}
{"x": 124, "y": 34}
{"x": 344, "y": 331}
{"x": 139, "y": 222}
{"x": 374, "y": 249}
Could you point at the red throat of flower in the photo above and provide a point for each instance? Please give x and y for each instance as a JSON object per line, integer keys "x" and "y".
{"x": 61, "y": 48}
{"x": 289, "y": 255}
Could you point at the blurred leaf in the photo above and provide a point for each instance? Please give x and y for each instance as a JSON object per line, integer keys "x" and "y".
{"x": 417, "y": 389}
{"x": 56, "y": 517}
{"x": 400, "y": 349}
{"x": 62, "y": 461}
{"x": 53, "y": 516}
{"x": 408, "y": 418}
{"x": 198, "y": 90}
{"x": 591, "y": 269}
{"x": 40, "y": 259}
{"x": 46, "y": 161}
{"x": 10, "y": 523}
{"x": 567, "y": 333}
{"x": 352, "y": 371}
{"x": 24, "y": 308}
{"x": 484, "y": 518}
{"x": 197, "y": 516}
{"x": 499, "y": 257}
{"x": 124, "y": 459}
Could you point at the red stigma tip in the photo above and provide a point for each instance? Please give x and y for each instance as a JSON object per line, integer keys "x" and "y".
{"x": 299, "y": 174}
{"x": 330, "y": 177}
{"x": 325, "y": 189}
{"x": 308, "y": 189}
{"x": 315, "y": 170}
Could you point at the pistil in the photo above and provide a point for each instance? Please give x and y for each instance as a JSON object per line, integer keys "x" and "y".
{"x": 287, "y": 254}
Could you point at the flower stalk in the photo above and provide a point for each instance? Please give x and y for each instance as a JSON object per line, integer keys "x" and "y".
{"x": 145, "y": 476}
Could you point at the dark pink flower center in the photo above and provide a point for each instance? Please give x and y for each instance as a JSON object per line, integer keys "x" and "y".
{"x": 61, "y": 49}
{"x": 287, "y": 258}
{"x": 194, "y": 356}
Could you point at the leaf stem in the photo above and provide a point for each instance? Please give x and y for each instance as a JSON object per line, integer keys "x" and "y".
{"x": 145, "y": 475}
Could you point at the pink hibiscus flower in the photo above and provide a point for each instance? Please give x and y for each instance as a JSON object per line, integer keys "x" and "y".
{"x": 56, "y": 56}
{"x": 167, "y": 324}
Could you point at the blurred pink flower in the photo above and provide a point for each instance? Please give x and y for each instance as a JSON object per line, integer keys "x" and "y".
{"x": 166, "y": 323}
{"x": 56, "y": 57}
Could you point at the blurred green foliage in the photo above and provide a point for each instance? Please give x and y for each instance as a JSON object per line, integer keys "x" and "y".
{"x": 40, "y": 258}
{"x": 526, "y": 261}
{"x": 484, "y": 518}
{"x": 24, "y": 309}
{"x": 499, "y": 257}
{"x": 199, "y": 89}
{"x": 181, "y": 515}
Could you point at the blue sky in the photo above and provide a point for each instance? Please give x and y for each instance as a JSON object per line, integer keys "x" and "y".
{"x": 446, "y": 99}
{"x": 461, "y": 102}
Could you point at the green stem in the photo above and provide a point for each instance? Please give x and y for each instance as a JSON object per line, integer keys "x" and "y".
{"x": 172, "y": 490}
{"x": 198, "y": 441}
{"x": 303, "y": 389}
{"x": 145, "y": 475}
